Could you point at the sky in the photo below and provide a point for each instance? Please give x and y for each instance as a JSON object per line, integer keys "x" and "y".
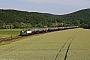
{"x": 58, "y": 7}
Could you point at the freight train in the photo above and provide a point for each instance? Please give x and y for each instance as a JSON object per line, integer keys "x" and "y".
{"x": 44, "y": 30}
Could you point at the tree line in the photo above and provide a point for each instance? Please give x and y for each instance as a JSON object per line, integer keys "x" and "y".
{"x": 24, "y": 19}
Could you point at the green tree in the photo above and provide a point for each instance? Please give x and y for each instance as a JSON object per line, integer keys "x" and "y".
{"x": 23, "y": 25}
{"x": 16, "y": 25}
{"x": 4, "y": 25}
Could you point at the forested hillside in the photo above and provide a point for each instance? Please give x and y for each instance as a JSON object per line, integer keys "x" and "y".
{"x": 80, "y": 18}
{"x": 24, "y": 19}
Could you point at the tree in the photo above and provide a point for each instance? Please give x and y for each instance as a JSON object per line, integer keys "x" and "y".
{"x": 4, "y": 25}
{"x": 22, "y": 19}
{"x": 23, "y": 25}
{"x": 1, "y": 24}
{"x": 16, "y": 25}
{"x": 29, "y": 25}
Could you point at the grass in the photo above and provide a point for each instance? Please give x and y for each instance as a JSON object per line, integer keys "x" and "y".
{"x": 7, "y": 32}
{"x": 47, "y": 46}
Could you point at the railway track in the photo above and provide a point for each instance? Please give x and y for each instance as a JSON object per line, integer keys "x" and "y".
{"x": 10, "y": 39}
{"x": 36, "y": 32}
{"x": 6, "y": 39}
{"x": 66, "y": 44}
